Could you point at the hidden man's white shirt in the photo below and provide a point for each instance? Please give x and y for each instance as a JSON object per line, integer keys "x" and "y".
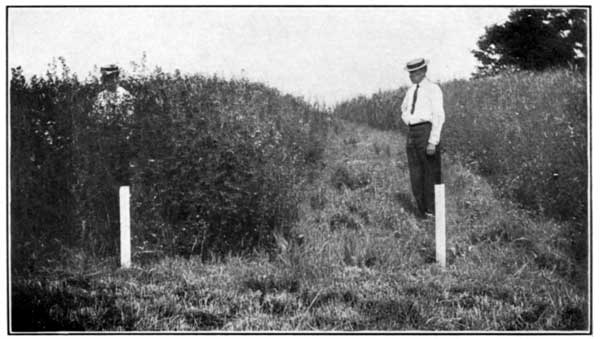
{"x": 428, "y": 108}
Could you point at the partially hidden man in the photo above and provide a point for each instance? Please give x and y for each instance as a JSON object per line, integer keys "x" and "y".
{"x": 423, "y": 113}
{"x": 113, "y": 112}
{"x": 113, "y": 117}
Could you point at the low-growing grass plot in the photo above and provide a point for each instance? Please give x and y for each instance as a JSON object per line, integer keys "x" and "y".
{"x": 525, "y": 132}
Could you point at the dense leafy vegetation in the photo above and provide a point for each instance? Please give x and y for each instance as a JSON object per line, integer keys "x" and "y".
{"x": 214, "y": 164}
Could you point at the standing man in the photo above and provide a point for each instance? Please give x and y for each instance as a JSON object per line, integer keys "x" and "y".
{"x": 423, "y": 113}
{"x": 112, "y": 130}
{"x": 113, "y": 112}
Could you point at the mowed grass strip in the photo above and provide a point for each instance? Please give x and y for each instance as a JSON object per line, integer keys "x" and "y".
{"x": 360, "y": 261}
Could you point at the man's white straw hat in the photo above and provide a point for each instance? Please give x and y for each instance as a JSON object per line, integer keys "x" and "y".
{"x": 416, "y": 64}
{"x": 109, "y": 69}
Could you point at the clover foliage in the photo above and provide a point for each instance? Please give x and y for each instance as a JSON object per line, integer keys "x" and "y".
{"x": 215, "y": 165}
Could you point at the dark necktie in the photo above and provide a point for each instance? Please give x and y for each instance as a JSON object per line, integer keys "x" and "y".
{"x": 412, "y": 110}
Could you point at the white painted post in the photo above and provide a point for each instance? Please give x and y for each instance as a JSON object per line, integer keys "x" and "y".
{"x": 440, "y": 225}
{"x": 125, "y": 227}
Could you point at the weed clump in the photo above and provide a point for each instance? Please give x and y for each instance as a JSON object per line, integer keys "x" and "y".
{"x": 340, "y": 221}
{"x": 318, "y": 200}
{"x": 392, "y": 314}
{"x": 352, "y": 141}
{"x": 68, "y": 305}
{"x": 203, "y": 320}
{"x": 573, "y": 318}
{"x": 378, "y": 148}
{"x": 504, "y": 230}
{"x": 343, "y": 176}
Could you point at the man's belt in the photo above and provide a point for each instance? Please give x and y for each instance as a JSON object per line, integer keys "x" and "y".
{"x": 420, "y": 123}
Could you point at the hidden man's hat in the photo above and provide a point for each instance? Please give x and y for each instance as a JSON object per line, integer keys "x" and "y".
{"x": 109, "y": 70}
{"x": 416, "y": 64}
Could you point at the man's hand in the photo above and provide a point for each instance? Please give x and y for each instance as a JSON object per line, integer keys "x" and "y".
{"x": 430, "y": 149}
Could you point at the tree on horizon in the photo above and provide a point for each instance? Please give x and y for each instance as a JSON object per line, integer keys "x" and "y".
{"x": 534, "y": 39}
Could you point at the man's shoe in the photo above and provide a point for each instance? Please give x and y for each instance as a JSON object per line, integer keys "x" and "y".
{"x": 429, "y": 215}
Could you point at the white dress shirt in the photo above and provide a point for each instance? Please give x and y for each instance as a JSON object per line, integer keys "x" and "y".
{"x": 113, "y": 104}
{"x": 428, "y": 108}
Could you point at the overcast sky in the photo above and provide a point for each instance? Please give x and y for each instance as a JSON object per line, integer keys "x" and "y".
{"x": 323, "y": 54}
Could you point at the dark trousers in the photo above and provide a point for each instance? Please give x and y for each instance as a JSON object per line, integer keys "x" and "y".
{"x": 425, "y": 170}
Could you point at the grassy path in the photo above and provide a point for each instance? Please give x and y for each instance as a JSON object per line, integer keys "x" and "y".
{"x": 365, "y": 263}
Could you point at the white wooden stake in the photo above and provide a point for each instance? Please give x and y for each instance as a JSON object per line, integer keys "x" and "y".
{"x": 125, "y": 227}
{"x": 440, "y": 225}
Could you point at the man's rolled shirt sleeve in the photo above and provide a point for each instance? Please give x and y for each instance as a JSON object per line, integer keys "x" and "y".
{"x": 437, "y": 115}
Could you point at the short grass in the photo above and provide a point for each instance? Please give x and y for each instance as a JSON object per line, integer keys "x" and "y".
{"x": 359, "y": 261}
